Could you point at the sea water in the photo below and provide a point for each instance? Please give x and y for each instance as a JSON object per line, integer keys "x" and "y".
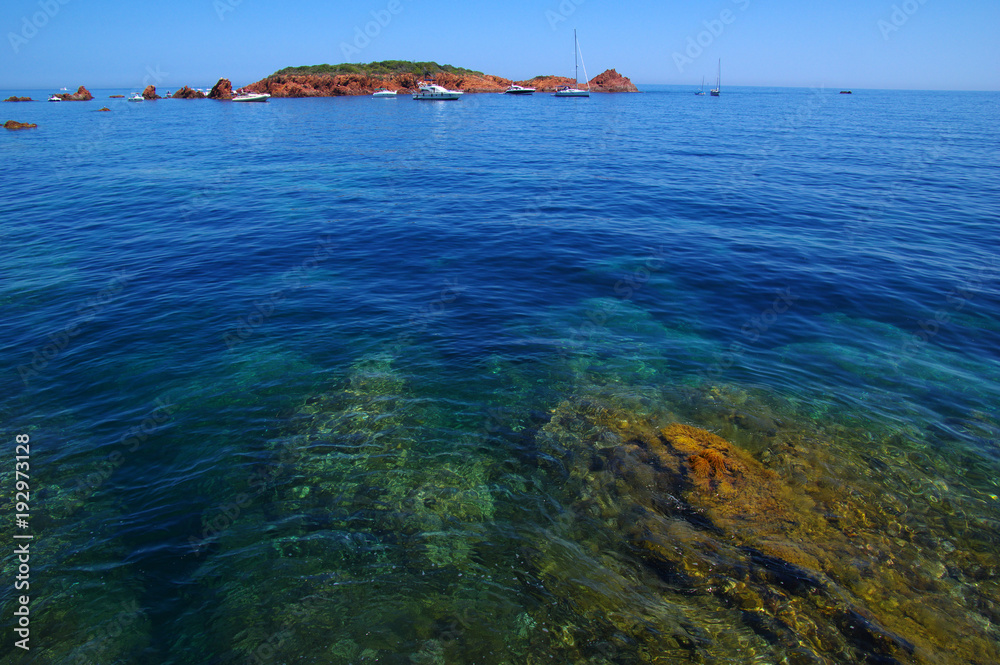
{"x": 635, "y": 378}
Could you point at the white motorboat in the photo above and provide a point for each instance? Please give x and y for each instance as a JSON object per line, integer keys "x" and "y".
{"x": 515, "y": 89}
{"x": 247, "y": 96}
{"x": 135, "y": 97}
{"x": 718, "y": 82}
{"x": 384, "y": 93}
{"x": 568, "y": 91}
{"x": 55, "y": 98}
{"x": 432, "y": 91}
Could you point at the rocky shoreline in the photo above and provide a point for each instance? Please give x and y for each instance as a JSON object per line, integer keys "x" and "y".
{"x": 337, "y": 85}
{"x": 294, "y": 82}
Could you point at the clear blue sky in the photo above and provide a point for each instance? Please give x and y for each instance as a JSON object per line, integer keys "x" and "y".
{"x": 833, "y": 43}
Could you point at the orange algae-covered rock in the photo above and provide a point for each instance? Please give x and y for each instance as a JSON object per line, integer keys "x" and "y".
{"x": 812, "y": 565}
{"x": 13, "y": 124}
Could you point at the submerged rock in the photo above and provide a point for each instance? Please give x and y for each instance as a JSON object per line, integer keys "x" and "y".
{"x": 808, "y": 565}
{"x": 18, "y": 99}
{"x": 13, "y": 124}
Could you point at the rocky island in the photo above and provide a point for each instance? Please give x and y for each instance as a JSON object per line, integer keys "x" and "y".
{"x": 81, "y": 95}
{"x": 405, "y": 76}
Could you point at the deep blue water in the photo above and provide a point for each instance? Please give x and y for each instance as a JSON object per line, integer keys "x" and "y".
{"x": 403, "y": 294}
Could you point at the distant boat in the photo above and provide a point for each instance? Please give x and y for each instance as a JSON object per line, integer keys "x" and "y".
{"x": 135, "y": 97}
{"x": 247, "y": 96}
{"x": 846, "y": 92}
{"x": 567, "y": 91}
{"x": 701, "y": 92}
{"x": 64, "y": 89}
{"x": 384, "y": 93}
{"x": 718, "y": 81}
{"x": 436, "y": 92}
{"x": 515, "y": 89}
{"x": 56, "y": 98}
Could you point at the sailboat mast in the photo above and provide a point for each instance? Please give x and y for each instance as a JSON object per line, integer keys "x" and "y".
{"x": 576, "y": 66}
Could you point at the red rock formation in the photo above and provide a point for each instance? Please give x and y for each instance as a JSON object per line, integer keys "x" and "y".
{"x": 324, "y": 85}
{"x": 150, "y": 93}
{"x": 222, "y": 90}
{"x": 188, "y": 93}
{"x": 13, "y": 124}
{"x": 608, "y": 81}
{"x": 18, "y": 99}
{"x": 116, "y": 96}
{"x": 612, "y": 81}
{"x": 548, "y": 83}
{"x": 327, "y": 85}
{"x": 81, "y": 95}
{"x": 104, "y": 109}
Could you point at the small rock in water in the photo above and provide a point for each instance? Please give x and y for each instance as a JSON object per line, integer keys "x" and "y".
{"x": 13, "y": 124}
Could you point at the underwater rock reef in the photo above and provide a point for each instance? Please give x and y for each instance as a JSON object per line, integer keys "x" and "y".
{"x": 611, "y": 528}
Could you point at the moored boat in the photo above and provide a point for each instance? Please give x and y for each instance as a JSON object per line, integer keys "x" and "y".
{"x": 135, "y": 97}
{"x": 248, "y": 96}
{"x": 55, "y": 98}
{"x": 432, "y": 91}
{"x": 515, "y": 89}
{"x": 384, "y": 93}
{"x": 570, "y": 91}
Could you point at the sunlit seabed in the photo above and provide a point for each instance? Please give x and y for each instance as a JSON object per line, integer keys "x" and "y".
{"x": 380, "y": 472}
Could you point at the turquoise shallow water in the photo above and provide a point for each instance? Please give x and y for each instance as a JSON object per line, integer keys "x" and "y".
{"x": 351, "y": 380}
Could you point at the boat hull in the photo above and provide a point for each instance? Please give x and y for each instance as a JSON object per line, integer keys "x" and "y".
{"x": 437, "y": 96}
{"x": 252, "y": 98}
{"x": 572, "y": 93}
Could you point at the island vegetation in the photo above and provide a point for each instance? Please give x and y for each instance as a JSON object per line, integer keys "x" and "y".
{"x": 383, "y": 68}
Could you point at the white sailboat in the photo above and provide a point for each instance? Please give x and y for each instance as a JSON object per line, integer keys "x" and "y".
{"x": 567, "y": 91}
{"x": 718, "y": 81}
